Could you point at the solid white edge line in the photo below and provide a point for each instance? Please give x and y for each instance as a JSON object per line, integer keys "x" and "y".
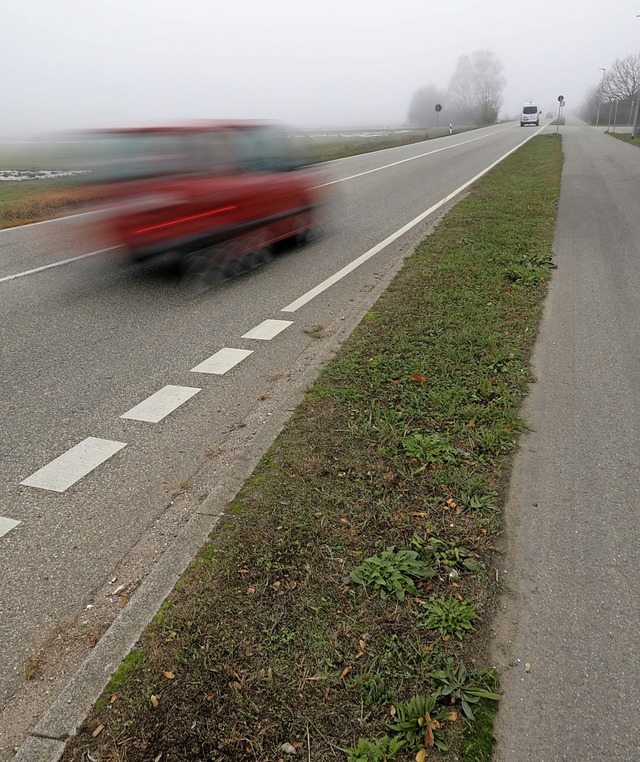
{"x": 6, "y": 525}
{"x": 222, "y": 361}
{"x": 331, "y": 280}
{"x": 267, "y": 330}
{"x": 410, "y": 158}
{"x": 161, "y": 403}
{"x": 71, "y": 466}
{"x": 56, "y": 264}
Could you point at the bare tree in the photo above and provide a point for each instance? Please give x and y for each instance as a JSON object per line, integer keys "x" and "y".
{"x": 476, "y": 87}
{"x": 461, "y": 91}
{"x": 622, "y": 80}
{"x": 422, "y": 109}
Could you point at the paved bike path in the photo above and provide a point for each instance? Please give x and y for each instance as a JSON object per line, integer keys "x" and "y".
{"x": 568, "y": 635}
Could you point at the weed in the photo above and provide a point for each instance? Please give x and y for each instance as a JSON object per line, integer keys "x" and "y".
{"x": 372, "y": 689}
{"x": 315, "y": 332}
{"x": 480, "y": 504}
{"x": 444, "y": 554}
{"x": 375, "y": 751}
{"x": 181, "y": 488}
{"x": 430, "y": 449}
{"x": 419, "y": 723}
{"x": 531, "y": 269}
{"x": 34, "y": 666}
{"x": 455, "y": 681}
{"x": 392, "y": 573}
{"x": 449, "y": 616}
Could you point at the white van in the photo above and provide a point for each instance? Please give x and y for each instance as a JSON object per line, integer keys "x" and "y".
{"x": 530, "y": 114}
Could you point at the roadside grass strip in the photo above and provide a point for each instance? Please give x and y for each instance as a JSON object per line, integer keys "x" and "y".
{"x": 342, "y": 609}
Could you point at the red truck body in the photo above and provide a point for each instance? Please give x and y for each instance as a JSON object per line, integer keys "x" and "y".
{"x": 190, "y": 189}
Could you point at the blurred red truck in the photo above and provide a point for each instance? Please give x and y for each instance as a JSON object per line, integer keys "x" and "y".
{"x": 217, "y": 195}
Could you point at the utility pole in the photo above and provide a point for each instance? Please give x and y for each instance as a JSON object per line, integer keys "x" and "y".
{"x": 600, "y": 94}
{"x": 634, "y": 129}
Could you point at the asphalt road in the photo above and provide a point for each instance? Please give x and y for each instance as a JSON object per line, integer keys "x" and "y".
{"x": 569, "y": 632}
{"x": 83, "y": 343}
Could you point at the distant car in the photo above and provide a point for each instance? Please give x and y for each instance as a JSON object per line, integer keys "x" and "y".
{"x": 216, "y": 195}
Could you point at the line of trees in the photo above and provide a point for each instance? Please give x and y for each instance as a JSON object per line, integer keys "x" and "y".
{"x": 615, "y": 93}
{"x": 473, "y": 97}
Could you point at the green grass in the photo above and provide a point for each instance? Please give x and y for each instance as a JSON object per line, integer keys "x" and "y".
{"x": 625, "y": 137}
{"x": 403, "y": 443}
{"x": 22, "y": 202}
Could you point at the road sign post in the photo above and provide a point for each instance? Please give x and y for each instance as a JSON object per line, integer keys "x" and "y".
{"x": 560, "y": 107}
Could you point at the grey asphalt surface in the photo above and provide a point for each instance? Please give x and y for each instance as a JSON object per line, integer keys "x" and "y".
{"x": 573, "y": 514}
{"x": 83, "y": 343}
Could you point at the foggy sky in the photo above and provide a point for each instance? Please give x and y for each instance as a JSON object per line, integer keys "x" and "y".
{"x": 73, "y": 64}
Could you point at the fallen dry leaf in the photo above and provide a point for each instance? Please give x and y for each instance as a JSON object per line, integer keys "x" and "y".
{"x": 418, "y": 378}
{"x": 287, "y": 748}
{"x": 124, "y": 599}
{"x": 114, "y": 698}
{"x": 527, "y": 667}
{"x": 345, "y": 672}
{"x": 392, "y": 710}
{"x": 168, "y": 675}
{"x": 97, "y": 731}
{"x": 251, "y": 590}
{"x": 422, "y": 755}
{"x": 154, "y": 702}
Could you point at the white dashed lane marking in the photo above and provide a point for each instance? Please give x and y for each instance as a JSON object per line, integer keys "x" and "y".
{"x": 72, "y": 465}
{"x": 6, "y": 525}
{"x": 267, "y": 329}
{"x": 159, "y": 405}
{"x": 222, "y": 361}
